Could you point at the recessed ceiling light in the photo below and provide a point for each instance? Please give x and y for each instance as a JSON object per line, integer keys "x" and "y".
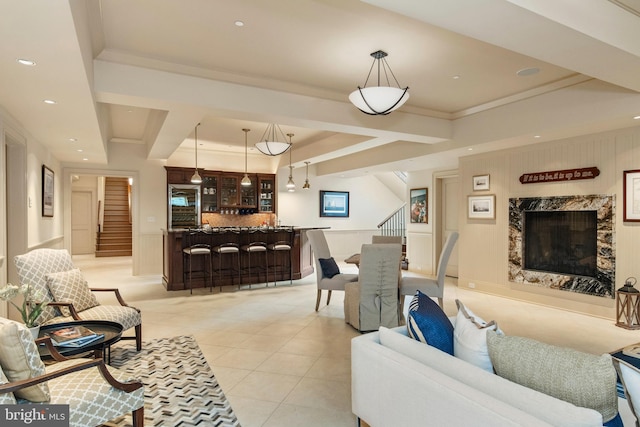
{"x": 85, "y": 159}
{"x": 636, "y": 117}
{"x": 456, "y": 77}
{"x": 72, "y": 139}
{"x": 239, "y": 23}
{"x": 49, "y": 101}
{"x": 536, "y": 136}
{"x": 528, "y": 71}
{"x": 469, "y": 149}
{"x": 24, "y": 61}
{"x": 79, "y": 150}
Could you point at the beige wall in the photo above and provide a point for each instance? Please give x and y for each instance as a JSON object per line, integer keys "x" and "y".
{"x": 483, "y": 246}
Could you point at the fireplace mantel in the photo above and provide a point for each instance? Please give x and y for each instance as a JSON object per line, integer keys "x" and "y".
{"x": 603, "y": 284}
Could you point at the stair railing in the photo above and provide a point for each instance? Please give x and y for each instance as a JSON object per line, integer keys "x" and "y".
{"x": 99, "y": 224}
{"x": 395, "y": 223}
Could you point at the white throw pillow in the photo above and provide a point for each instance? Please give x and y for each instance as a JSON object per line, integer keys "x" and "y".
{"x": 470, "y": 338}
{"x": 631, "y": 378}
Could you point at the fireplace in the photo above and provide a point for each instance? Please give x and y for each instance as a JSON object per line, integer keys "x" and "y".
{"x": 563, "y": 243}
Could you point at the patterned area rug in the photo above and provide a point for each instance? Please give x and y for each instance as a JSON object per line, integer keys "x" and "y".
{"x": 179, "y": 386}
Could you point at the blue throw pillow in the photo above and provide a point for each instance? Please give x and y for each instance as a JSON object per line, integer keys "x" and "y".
{"x": 427, "y": 323}
{"x": 329, "y": 267}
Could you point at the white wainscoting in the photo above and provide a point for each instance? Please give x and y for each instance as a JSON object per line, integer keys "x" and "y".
{"x": 148, "y": 256}
{"x": 420, "y": 253}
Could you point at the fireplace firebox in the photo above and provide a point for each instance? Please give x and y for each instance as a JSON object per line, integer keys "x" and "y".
{"x": 562, "y": 242}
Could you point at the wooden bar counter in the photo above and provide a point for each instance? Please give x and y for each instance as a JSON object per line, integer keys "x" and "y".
{"x": 301, "y": 255}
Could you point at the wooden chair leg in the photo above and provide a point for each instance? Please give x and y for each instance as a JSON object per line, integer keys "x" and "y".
{"x": 440, "y": 302}
{"x": 139, "y": 337}
{"x": 138, "y": 417}
{"x": 318, "y": 299}
{"x": 328, "y": 297}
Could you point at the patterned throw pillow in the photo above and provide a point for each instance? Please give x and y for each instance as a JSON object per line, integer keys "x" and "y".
{"x": 470, "y": 338}
{"x": 20, "y": 359}
{"x": 70, "y": 286}
{"x": 329, "y": 267}
{"x": 6, "y": 398}
{"x": 427, "y": 323}
{"x": 586, "y": 380}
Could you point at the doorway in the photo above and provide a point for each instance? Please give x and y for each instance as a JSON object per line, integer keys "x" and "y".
{"x": 71, "y": 204}
{"x": 447, "y": 194}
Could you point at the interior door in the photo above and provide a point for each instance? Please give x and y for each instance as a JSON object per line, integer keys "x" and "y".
{"x": 82, "y": 223}
{"x": 449, "y": 223}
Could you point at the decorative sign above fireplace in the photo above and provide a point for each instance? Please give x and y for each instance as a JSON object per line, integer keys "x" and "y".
{"x": 561, "y": 175}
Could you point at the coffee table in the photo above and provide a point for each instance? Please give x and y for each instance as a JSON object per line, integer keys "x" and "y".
{"x": 101, "y": 347}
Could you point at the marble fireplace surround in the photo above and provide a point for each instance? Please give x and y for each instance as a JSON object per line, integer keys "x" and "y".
{"x": 603, "y": 284}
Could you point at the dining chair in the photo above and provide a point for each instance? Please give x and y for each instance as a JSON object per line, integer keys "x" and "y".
{"x": 373, "y": 300}
{"x": 328, "y": 276}
{"x": 432, "y": 287}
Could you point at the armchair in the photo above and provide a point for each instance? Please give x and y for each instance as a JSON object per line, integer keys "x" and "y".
{"x": 373, "y": 301}
{"x": 320, "y": 250}
{"x": 94, "y": 392}
{"x": 51, "y": 271}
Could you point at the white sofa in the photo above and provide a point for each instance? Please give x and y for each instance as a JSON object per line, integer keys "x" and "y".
{"x": 398, "y": 381}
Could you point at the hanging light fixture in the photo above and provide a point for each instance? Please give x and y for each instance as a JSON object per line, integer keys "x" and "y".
{"x": 291, "y": 186}
{"x": 196, "y": 178}
{"x": 271, "y": 143}
{"x": 306, "y": 185}
{"x": 246, "y": 182}
{"x": 379, "y": 100}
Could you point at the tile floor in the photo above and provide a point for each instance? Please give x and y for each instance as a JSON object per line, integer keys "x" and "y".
{"x": 282, "y": 364}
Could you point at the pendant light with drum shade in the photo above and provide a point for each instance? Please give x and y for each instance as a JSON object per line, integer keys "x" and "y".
{"x": 291, "y": 186}
{"x": 270, "y": 143}
{"x": 379, "y": 100}
{"x": 306, "y": 185}
{"x": 196, "y": 178}
{"x": 246, "y": 182}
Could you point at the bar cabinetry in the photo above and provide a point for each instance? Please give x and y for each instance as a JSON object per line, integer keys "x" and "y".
{"x": 209, "y": 193}
{"x": 222, "y": 191}
{"x": 266, "y": 193}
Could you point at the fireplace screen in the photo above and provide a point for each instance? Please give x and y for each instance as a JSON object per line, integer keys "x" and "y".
{"x": 563, "y": 242}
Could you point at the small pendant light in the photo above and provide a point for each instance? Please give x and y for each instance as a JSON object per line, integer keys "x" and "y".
{"x": 291, "y": 186}
{"x": 306, "y": 185}
{"x": 196, "y": 178}
{"x": 246, "y": 182}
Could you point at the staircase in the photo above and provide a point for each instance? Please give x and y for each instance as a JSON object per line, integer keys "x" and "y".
{"x": 114, "y": 237}
{"x": 395, "y": 225}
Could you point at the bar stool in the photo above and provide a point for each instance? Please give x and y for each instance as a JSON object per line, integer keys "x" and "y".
{"x": 227, "y": 250}
{"x": 256, "y": 247}
{"x": 282, "y": 247}
{"x": 196, "y": 244}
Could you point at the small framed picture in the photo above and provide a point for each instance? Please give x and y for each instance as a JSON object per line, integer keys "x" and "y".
{"x": 47, "y": 191}
{"x": 482, "y": 207}
{"x": 334, "y": 204}
{"x": 419, "y": 207}
{"x": 480, "y": 182}
{"x": 631, "y": 195}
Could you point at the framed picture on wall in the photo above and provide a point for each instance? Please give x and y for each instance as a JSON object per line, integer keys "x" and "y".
{"x": 47, "y": 191}
{"x": 418, "y": 205}
{"x": 482, "y": 207}
{"x": 631, "y": 195}
{"x": 480, "y": 182}
{"x": 334, "y": 204}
